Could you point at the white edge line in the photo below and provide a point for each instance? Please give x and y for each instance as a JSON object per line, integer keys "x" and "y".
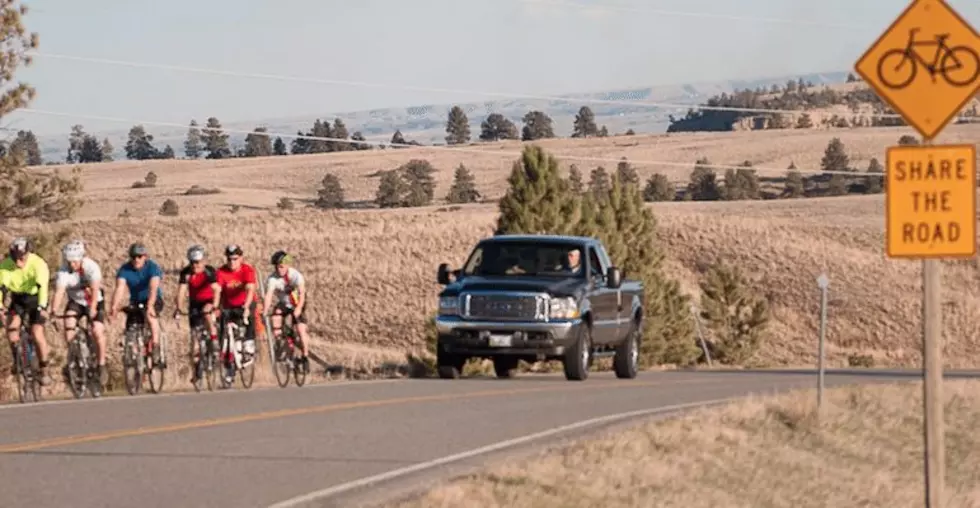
{"x": 395, "y": 473}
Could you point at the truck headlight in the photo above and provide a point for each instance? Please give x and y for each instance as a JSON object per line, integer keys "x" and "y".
{"x": 563, "y": 308}
{"x": 448, "y": 305}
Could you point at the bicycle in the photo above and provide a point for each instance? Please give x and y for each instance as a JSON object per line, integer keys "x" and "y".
{"x": 960, "y": 55}
{"x": 25, "y": 353}
{"x": 285, "y": 354}
{"x": 83, "y": 360}
{"x": 136, "y": 354}
{"x": 206, "y": 363}
{"x": 233, "y": 358}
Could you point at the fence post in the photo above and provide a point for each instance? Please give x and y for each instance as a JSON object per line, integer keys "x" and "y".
{"x": 823, "y": 283}
{"x": 697, "y": 324}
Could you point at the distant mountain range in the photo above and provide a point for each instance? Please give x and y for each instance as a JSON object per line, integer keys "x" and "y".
{"x": 426, "y": 123}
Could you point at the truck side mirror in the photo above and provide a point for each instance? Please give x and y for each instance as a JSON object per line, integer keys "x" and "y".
{"x": 613, "y": 278}
{"x": 443, "y": 275}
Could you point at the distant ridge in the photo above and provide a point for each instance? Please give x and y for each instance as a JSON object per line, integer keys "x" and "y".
{"x": 426, "y": 123}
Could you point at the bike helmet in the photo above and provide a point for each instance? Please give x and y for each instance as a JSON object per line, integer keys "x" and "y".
{"x": 20, "y": 247}
{"x": 233, "y": 250}
{"x": 136, "y": 250}
{"x": 74, "y": 251}
{"x": 195, "y": 253}
{"x": 281, "y": 257}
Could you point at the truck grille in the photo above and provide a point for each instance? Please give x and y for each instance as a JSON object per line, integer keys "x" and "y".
{"x": 504, "y": 306}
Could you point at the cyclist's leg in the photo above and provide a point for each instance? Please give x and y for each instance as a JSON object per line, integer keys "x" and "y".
{"x": 210, "y": 320}
{"x": 99, "y": 331}
{"x": 304, "y": 335}
{"x": 72, "y": 311}
{"x": 37, "y": 322}
{"x": 13, "y": 329}
{"x": 275, "y": 319}
{"x": 154, "y": 322}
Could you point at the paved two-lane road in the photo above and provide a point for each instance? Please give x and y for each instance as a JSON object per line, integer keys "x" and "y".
{"x": 265, "y": 446}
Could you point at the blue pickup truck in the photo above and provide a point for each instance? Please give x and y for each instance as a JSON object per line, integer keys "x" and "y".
{"x": 534, "y": 298}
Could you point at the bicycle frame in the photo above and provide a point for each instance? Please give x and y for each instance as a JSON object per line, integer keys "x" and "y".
{"x": 941, "y": 48}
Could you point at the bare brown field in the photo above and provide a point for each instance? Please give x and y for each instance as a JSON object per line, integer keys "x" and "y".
{"x": 372, "y": 272}
{"x": 258, "y": 183}
{"x": 864, "y": 450}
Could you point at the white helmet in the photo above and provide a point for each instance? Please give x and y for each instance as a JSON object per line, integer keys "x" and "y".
{"x": 74, "y": 251}
{"x": 195, "y": 253}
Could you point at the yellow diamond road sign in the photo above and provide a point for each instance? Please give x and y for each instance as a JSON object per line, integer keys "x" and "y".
{"x": 931, "y": 202}
{"x": 926, "y": 65}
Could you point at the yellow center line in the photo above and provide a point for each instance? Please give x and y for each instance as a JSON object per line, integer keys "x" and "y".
{"x": 269, "y": 415}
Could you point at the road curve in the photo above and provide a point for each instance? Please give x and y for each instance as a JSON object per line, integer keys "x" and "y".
{"x": 263, "y": 447}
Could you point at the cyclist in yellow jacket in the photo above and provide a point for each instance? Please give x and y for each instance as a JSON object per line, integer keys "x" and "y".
{"x": 25, "y": 276}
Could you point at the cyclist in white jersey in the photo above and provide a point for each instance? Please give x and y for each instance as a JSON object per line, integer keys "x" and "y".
{"x": 287, "y": 285}
{"x": 80, "y": 278}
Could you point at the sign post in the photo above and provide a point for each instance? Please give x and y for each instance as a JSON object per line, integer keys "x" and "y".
{"x": 926, "y": 66}
{"x": 823, "y": 283}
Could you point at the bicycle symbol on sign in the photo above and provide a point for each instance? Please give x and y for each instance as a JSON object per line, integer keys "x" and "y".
{"x": 948, "y": 59}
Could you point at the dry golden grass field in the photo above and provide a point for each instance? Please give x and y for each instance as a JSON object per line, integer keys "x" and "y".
{"x": 372, "y": 272}
{"x": 864, "y": 450}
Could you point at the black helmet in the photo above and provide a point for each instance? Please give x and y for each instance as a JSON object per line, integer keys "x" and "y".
{"x": 280, "y": 257}
{"x": 136, "y": 250}
{"x": 233, "y": 250}
{"x": 20, "y": 247}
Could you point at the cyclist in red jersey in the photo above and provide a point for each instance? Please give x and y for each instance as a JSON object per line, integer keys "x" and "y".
{"x": 199, "y": 282}
{"x": 236, "y": 293}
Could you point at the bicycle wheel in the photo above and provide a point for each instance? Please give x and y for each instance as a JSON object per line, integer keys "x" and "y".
{"x": 76, "y": 367}
{"x": 969, "y": 67}
{"x": 283, "y": 362}
{"x": 133, "y": 361}
{"x": 92, "y": 367}
{"x": 33, "y": 368}
{"x": 299, "y": 369}
{"x": 896, "y": 70}
{"x": 247, "y": 374}
{"x": 156, "y": 373}
{"x": 19, "y": 366}
{"x": 212, "y": 364}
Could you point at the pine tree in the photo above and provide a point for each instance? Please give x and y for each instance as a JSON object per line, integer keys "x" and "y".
{"x": 331, "y": 193}
{"x": 463, "y": 189}
{"x": 75, "y": 140}
{"x": 215, "y": 140}
{"x": 626, "y": 172}
{"x": 584, "y": 125}
{"x": 703, "y": 185}
{"x": 279, "y": 147}
{"x": 457, "y": 127}
{"x": 357, "y": 136}
{"x": 659, "y": 188}
{"x": 321, "y": 129}
{"x": 537, "y": 200}
{"x": 575, "y": 184}
{"x": 497, "y": 127}
{"x": 192, "y": 145}
{"x": 420, "y": 186}
{"x": 736, "y": 316}
{"x": 339, "y": 131}
{"x": 257, "y": 143}
{"x": 391, "y": 188}
{"x": 107, "y": 150}
{"x": 834, "y": 157}
{"x": 794, "y": 187}
{"x": 138, "y": 147}
{"x": 599, "y": 182}
{"x": 537, "y": 125}
{"x": 398, "y": 139}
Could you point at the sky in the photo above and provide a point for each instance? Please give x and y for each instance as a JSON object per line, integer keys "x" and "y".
{"x": 503, "y": 46}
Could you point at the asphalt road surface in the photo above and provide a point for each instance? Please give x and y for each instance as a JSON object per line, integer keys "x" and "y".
{"x": 327, "y": 445}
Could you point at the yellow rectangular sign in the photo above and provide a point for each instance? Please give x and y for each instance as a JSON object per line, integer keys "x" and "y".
{"x": 931, "y": 202}
{"x": 926, "y": 65}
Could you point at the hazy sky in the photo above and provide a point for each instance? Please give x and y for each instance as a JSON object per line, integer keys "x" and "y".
{"x": 515, "y": 46}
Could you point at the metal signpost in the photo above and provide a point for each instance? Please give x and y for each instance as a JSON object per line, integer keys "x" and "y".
{"x": 823, "y": 283}
{"x": 926, "y": 66}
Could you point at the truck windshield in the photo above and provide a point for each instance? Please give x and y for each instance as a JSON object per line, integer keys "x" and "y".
{"x": 525, "y": 258}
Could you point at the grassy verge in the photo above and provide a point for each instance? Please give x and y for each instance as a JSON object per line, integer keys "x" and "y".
{"x": 865, "y": 450}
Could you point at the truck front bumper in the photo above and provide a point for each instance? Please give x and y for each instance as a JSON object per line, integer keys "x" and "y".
{"x": 491, "y": 338}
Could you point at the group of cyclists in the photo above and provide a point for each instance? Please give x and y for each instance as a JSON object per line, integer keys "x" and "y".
{"x": 206, "y": 291}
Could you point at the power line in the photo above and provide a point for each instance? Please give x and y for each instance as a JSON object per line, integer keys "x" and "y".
{"x": 457, "y": 149}
{"x": 507, "y": 95}
{"x": 668, "y": 12}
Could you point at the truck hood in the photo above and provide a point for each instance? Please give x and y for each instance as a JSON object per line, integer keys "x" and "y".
{"x": 557, "y": 286}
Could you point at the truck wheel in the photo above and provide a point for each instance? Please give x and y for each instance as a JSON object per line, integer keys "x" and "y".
{"x": 504, "y": 366}
{"x": 627, "y": 354}
{"x": 578, "y": 357}
{"x": 449, "y": 366}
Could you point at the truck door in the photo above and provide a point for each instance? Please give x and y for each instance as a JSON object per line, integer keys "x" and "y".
{"x": 605, "y": 307}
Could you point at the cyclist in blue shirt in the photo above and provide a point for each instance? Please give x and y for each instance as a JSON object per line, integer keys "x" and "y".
{"x": 143, "y": 278}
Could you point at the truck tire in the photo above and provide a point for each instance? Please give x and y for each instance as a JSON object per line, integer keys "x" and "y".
{"x": 448, "y": 365}
{"x": 578, "y": 356}
{"x": 504, "y": 366}
{"x": 627, "y": 354}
